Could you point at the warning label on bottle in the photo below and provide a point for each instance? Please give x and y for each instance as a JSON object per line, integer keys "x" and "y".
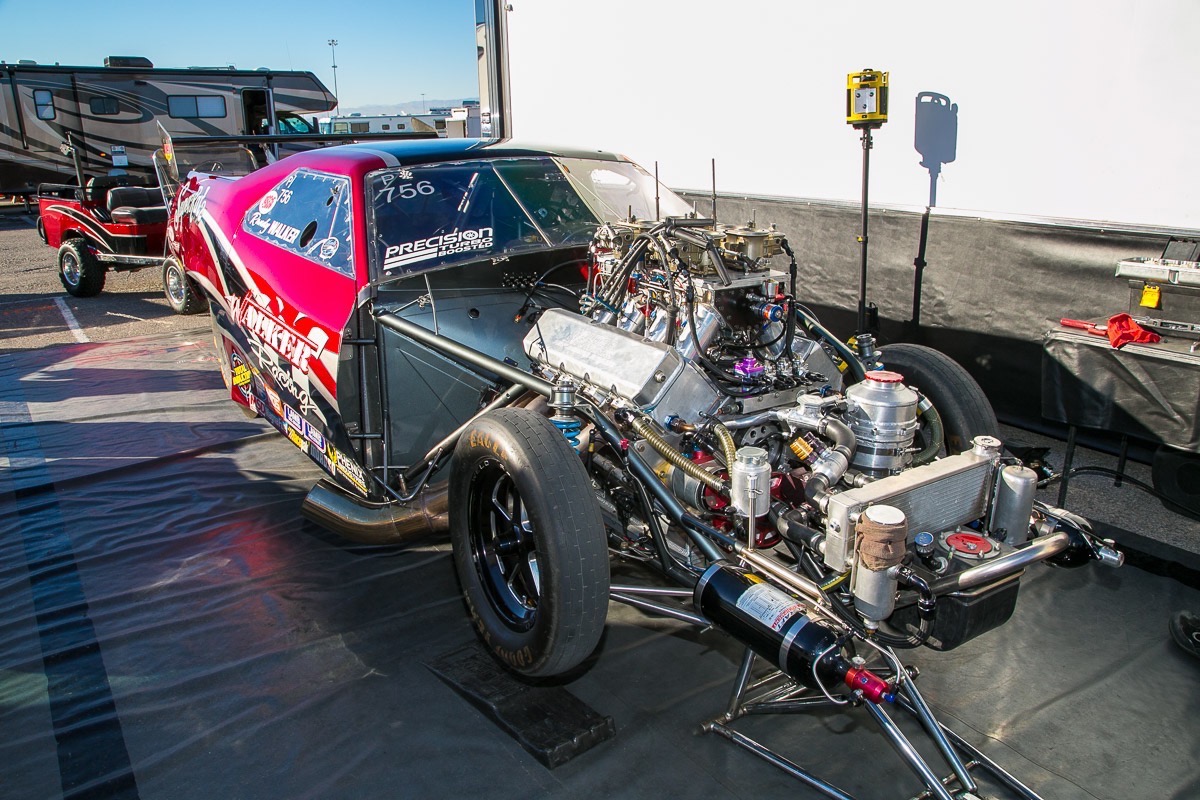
{"x": 769, "y": 606}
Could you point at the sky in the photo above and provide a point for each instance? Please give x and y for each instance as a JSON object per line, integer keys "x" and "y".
{"x": 389, "y": 51}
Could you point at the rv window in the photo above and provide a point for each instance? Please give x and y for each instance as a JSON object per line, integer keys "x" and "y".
{"x": 104, "y": 106}
{"x": 341, "y": 127}
{"x": 307, "y": 214}
{"x": 43, "y": 101}
{"x": 185, "y": 106}
{"x": 387, "y": 127}
{"x": 360, "y": 127}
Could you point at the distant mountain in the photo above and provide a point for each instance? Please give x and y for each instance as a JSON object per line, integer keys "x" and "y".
{"x": 405, "y": 107}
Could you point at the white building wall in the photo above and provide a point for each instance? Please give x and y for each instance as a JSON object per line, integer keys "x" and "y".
{"x": 1086, "y": 110}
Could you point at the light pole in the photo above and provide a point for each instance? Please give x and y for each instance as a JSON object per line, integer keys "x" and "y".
{"x": 424, "y": 108}
{"x": 333, "y": 50}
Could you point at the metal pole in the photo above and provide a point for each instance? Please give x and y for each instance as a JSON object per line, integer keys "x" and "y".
{"x": 862, "y": 240}
{"x": 333, "y": 43}
{"x": 909, "y": 753}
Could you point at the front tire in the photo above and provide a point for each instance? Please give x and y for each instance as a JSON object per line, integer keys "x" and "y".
{"x": 529, "y": 543}
{"x": 81, "y": 274}
{"x": 182, "y": 293}
{"x": 961, "y": 403}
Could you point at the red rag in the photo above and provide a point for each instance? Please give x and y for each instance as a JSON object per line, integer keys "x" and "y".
{"x": 1122, "y": 330}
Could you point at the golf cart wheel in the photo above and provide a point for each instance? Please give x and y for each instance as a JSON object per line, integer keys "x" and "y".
{"x": 960, "y": 402}
{"x": 182, "y": 293}
{"x": 81, "y": 274}
{"x": 529, "y": 543}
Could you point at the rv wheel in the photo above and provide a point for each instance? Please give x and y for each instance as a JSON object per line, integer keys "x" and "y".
{"x": 529, "y": 543}
{"x": 181, "y": 291}
{"x": 81, "y": 274}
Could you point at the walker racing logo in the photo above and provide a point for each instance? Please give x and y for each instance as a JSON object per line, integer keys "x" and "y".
{"x": 278, "y": 335}
{"x": 399, "y": 256}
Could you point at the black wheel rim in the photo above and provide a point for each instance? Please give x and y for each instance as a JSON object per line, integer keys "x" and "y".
{"x": 503, "y": 548}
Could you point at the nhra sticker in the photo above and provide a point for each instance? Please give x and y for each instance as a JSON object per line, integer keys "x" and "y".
{"x": 268, "y": 201}
{"x": 401, "y": 255}
{"x": 769, "y": 606}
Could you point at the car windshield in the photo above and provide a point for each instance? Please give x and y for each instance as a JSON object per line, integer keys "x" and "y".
{"x": 432, "y": 216}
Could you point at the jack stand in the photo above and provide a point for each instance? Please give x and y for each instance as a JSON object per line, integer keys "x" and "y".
{"x": 777, "y": 693}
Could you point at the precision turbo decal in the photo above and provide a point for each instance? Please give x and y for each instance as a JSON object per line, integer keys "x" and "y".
{"x": 399, "y": 255}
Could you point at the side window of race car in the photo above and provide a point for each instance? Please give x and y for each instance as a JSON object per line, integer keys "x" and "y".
{"x": 308, "y": 213}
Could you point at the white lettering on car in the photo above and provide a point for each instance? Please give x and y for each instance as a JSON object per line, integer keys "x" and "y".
{"x": 401, "y": 255}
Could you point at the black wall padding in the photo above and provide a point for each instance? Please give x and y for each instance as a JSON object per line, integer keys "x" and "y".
{"x": 990, "y": 290}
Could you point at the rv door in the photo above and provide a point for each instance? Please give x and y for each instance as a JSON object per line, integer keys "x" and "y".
{"x": 258, "y": 112}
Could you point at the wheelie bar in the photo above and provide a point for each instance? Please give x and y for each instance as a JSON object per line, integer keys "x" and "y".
{"x": 776, "y": 693}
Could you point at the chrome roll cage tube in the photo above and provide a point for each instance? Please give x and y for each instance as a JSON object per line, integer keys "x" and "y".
{"x": 1066, "y": 540}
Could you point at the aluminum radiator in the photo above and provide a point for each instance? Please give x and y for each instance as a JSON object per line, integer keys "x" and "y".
{"x": 935, "y": 498}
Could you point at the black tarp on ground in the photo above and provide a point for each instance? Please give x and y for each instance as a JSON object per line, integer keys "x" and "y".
{"x": 171, "y": 628}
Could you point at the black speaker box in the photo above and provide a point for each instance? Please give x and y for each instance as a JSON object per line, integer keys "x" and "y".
{"x": 1177, "y": 476}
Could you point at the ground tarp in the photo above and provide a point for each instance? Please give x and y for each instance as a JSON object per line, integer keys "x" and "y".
{"x": 170, "y": 627}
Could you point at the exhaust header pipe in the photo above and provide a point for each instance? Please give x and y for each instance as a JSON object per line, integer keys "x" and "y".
{"x": 377, "y": 523}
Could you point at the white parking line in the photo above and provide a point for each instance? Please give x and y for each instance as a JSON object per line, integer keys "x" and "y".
{"x": 72, "y": 323}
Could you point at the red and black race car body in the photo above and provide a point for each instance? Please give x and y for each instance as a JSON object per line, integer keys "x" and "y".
{"x": 291, "y": 263}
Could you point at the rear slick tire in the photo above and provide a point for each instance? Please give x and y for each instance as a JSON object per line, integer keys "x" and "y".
{"x": 960, "y": 402}
{"x": 529, "y": 543}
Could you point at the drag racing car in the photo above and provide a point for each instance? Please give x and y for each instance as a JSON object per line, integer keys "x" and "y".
{"x": 563, "y": 363}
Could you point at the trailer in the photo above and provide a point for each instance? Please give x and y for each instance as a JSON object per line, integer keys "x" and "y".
{"x": 109, "y": 116}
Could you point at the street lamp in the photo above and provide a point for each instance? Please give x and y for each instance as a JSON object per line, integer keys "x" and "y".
{"x": 424, "y": 108}
{"x": 333, "y": 50}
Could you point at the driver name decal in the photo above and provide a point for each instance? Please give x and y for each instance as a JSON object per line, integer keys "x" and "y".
{"x": 401, "y": 255}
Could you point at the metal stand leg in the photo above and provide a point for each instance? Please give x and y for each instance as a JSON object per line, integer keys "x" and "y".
{"x": 796, "y": 771}
{"x": 1066, "y": 471}
{"x": 776, "y": 693}
{"x": 934, "y": 729}
{"x": 1001, "y": 774}
{"x": 1122, "y": 457}
{"x": 909, "y": 753}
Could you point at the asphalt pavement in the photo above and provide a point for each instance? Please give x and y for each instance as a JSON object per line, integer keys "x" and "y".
{"x": 35, "y": 310}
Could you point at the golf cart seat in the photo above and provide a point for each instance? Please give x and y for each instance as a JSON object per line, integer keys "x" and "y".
{"x": 136, "y": 205}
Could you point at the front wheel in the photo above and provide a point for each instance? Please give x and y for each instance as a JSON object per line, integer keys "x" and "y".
{"x": 81, "y": 274}
{"x": 181, "y": 291}
{"x": 529, "y": 543}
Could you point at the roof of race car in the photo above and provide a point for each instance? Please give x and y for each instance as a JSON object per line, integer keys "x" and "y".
{"x": 424, "y": 151}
